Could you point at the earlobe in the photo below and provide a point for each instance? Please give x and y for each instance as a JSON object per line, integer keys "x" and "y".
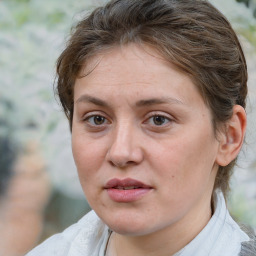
{"x": 231, "y": 139}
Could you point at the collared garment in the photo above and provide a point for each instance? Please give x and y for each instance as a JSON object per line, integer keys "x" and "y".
{"x": 88, "y": 237}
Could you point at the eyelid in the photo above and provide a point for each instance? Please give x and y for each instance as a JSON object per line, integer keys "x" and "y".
{"x": 159, "y": 113}
{"x": 150, "y": 122}
{"x": 93, "y": 119}
{"x": 92, "y": 114}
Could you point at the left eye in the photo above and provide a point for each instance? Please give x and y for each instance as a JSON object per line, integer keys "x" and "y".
{"x": 158, "y": 120}
{"x": 96, "y": 120}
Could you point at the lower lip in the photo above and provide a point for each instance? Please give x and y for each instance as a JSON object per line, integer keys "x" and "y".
{"x": 128, "y": 195}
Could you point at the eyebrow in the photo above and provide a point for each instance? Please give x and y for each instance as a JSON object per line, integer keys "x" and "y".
{"x": 147, "y": 102}
{"x": 93, "y": 100}
{"x": 157, "y": 101}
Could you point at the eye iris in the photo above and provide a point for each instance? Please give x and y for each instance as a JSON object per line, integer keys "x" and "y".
{"x": 158, "y": 120}
{"x": 99, "y": 120}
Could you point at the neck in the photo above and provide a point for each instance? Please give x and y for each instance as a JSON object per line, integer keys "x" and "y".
{"x": 164, "y": 242}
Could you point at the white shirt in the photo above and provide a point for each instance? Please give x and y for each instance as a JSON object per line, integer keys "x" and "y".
{"x": 220, "y": 237}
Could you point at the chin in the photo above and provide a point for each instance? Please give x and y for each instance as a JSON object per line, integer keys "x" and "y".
{"x": 129, "y": 226}
{"x": 129, "y": 230}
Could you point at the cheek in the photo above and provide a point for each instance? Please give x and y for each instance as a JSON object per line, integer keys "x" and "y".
{"x": 88, "y": 157}
{"x": 186, "y": 161}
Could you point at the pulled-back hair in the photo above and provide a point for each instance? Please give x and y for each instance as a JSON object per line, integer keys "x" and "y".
{"x": 191, "y": 34}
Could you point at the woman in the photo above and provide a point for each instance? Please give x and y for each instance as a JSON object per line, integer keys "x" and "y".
{"x": 154, "y": 92}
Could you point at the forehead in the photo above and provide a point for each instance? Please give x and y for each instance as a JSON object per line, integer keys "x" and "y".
{"x": 134, "y": 69}
{"x": 123, "y": 55}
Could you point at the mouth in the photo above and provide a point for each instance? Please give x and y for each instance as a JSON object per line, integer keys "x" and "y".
{"x": 126, "y": 190}
{"x": 125, "y": 184}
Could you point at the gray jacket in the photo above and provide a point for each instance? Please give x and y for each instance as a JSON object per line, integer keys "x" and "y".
{"x": 249, "y": 248}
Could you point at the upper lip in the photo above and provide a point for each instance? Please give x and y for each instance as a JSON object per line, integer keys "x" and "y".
{"x": 128, "y": 182}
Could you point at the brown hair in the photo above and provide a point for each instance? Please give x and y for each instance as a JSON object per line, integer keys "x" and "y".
{"x": 191, "y": 34}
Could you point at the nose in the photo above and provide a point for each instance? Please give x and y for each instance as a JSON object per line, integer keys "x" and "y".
{"x": 125, "y": 149}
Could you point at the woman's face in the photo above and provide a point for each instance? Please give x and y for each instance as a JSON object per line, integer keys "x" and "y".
{"x": 143, "y": 142}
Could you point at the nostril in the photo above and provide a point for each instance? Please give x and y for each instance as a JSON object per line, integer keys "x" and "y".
{"x": 125, "y": 154}
{"x": 122, "y": 165}
{"x": 119, "y": 164}
{"x": 130, "y": 163}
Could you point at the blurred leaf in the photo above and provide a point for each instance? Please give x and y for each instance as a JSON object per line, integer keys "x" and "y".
{"x": 22, "y": 15}
{"x": 19, "y": 1}
{"x": 56, "y": 17}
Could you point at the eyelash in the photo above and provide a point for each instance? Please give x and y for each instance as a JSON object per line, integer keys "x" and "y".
{"x": 93, "y": 119}
{"x": 151, "y": 120}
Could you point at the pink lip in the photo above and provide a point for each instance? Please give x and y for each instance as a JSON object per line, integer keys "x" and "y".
{"x": 117, "y": 192}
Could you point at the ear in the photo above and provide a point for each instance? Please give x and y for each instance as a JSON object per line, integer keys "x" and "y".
{"x": 232, "y": 137}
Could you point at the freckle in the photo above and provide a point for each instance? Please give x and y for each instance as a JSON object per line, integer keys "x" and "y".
{"x": 173, "y": 176}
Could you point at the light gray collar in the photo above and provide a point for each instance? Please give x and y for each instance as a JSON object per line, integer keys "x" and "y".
{"x": 221, "y": 236}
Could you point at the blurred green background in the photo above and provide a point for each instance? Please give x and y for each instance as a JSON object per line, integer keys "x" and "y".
{"x": 32, "y": 35}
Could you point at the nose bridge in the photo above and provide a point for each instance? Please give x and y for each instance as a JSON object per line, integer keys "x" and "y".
{"x": 125, "y": 148}
{"x": 122, "y": 138}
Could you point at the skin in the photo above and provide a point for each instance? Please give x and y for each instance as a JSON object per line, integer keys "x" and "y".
{"x": 178, "y": 158}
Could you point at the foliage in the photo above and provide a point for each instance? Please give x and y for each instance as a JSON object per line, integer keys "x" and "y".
{"x": 249, "y": 3}
{"x": 7, "y": 148}
{"x": 31, "y": 37}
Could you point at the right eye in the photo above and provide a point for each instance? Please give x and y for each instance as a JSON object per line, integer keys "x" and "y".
{"x": 159, "y": 120}
{"x": 96, "y": 120}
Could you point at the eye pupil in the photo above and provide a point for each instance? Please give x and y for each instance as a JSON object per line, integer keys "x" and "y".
{"x": 99, "y": 120}
{"x": 158, "y": 120}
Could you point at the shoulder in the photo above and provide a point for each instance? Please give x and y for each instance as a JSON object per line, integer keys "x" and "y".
{"x": 249, "y": 248}
{"x": 79, "y": 239}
